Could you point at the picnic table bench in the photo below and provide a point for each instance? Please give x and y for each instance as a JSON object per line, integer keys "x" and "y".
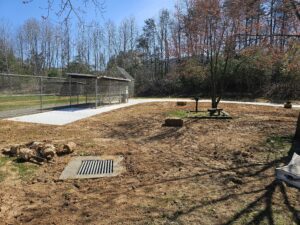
{"x": 212, "y": 111}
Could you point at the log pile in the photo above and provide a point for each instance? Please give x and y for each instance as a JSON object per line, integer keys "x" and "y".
{"x": 39, "y": 151}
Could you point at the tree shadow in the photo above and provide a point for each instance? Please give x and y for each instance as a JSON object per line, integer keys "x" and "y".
{"x": 295, "y": 213}
{"x": 168, "y": 132}
{"x": 267, "y": 212}
{"x": 266, "y": 199}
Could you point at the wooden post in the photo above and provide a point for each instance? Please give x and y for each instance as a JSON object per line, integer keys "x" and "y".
{"x": 297, "y": 135}
{"x": 41, "y": 93}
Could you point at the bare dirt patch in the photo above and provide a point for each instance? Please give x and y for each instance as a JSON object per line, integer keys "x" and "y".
{"x": 207, "y": 172}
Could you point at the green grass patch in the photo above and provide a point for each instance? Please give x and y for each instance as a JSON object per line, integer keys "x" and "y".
{"x": 3, "y": 161}
{"x": 280, "y": 142}
{"x": 277, "y": 147}
{"x": 198, "y": 114}
{"x": 178, "y": 113}
{"x": 186, "y": 114}
{"x": 2, "y": 176}
{"x": 25, "y": 170}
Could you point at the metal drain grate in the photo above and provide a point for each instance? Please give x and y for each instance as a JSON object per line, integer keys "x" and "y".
{"x": 90, "y": 167}
{"x": 94, "y": 167}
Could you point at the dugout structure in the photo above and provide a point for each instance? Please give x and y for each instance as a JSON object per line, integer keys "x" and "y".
{"x": 99, "y": 90}
{"x": 118, "y": 72}
{"x": 28, "y": 94}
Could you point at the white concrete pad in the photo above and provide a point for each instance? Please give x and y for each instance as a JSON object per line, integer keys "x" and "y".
{"x": 69, "y": 115}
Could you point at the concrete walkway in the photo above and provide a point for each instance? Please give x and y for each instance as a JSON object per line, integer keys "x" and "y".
{"x": 69, "y": 115}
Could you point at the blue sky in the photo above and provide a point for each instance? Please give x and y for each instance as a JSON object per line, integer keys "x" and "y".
{"x": 15, "y": 12}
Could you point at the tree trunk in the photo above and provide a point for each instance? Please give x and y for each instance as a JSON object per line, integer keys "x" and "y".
{"x": 215, "y": 102}
{"x": 214, "y": 99}
{"x": 297, "y": 135}
{"x": 271, "y": 21}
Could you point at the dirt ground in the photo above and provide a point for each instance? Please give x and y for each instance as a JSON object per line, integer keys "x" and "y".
{"x": 207, "y": 172}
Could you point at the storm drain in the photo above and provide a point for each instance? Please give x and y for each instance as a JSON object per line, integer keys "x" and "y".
{"x": 94, "y": 167}
{"x": 87, "y": 167}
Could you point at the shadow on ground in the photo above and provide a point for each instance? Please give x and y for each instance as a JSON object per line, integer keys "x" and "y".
{"x": 263, "y": 214}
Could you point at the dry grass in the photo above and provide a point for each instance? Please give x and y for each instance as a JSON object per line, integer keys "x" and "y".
{"x": 208, "y": 172}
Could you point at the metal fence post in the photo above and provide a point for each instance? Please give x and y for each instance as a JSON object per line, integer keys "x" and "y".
{"x": 77, "y": 91}
{"x": 41, "y": 93}
{"x": 86, "y": 92}
{"x": 96, "y": 93}
{"x": 109, "y": 91}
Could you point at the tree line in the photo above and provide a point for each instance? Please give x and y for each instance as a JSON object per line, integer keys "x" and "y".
{"x": 40, "y": 47}
{"x": 217, "y": 48}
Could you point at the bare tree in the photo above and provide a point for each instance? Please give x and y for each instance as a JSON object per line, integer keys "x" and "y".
{"x": 124, "y": 35}
{"x": 5, "y": 44}
{"x": 133, "y": 33}
{"x": 163, "y": 34}
{"x": 97, "y": 46}
{"x": 113, "y": 47}
{"x": 66, "y": 42}
{"x": 65, "y": 8}
{"x": 32, "y": 34}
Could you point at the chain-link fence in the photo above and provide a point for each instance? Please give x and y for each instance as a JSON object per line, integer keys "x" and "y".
{"x": 112, "y": 91}
{"x": 23, "y": 94}
{"x": 103, "y": 90}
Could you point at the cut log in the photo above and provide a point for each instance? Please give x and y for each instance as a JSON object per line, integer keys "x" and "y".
{"x": 70, "y": 147}
{"x": 48, "y": 151}
{"x": 26, "y": 154}
{"x": 6, "y": 151}
{"x": 36, "y": 145}
{"x": 15, "y": 150}
{"x": 173, "y": 122}
{"x": 67, "y": 149}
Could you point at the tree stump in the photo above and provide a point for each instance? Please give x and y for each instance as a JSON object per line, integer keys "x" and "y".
{"x": 181, "y": 103}
{"x": 173, "y": 122}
